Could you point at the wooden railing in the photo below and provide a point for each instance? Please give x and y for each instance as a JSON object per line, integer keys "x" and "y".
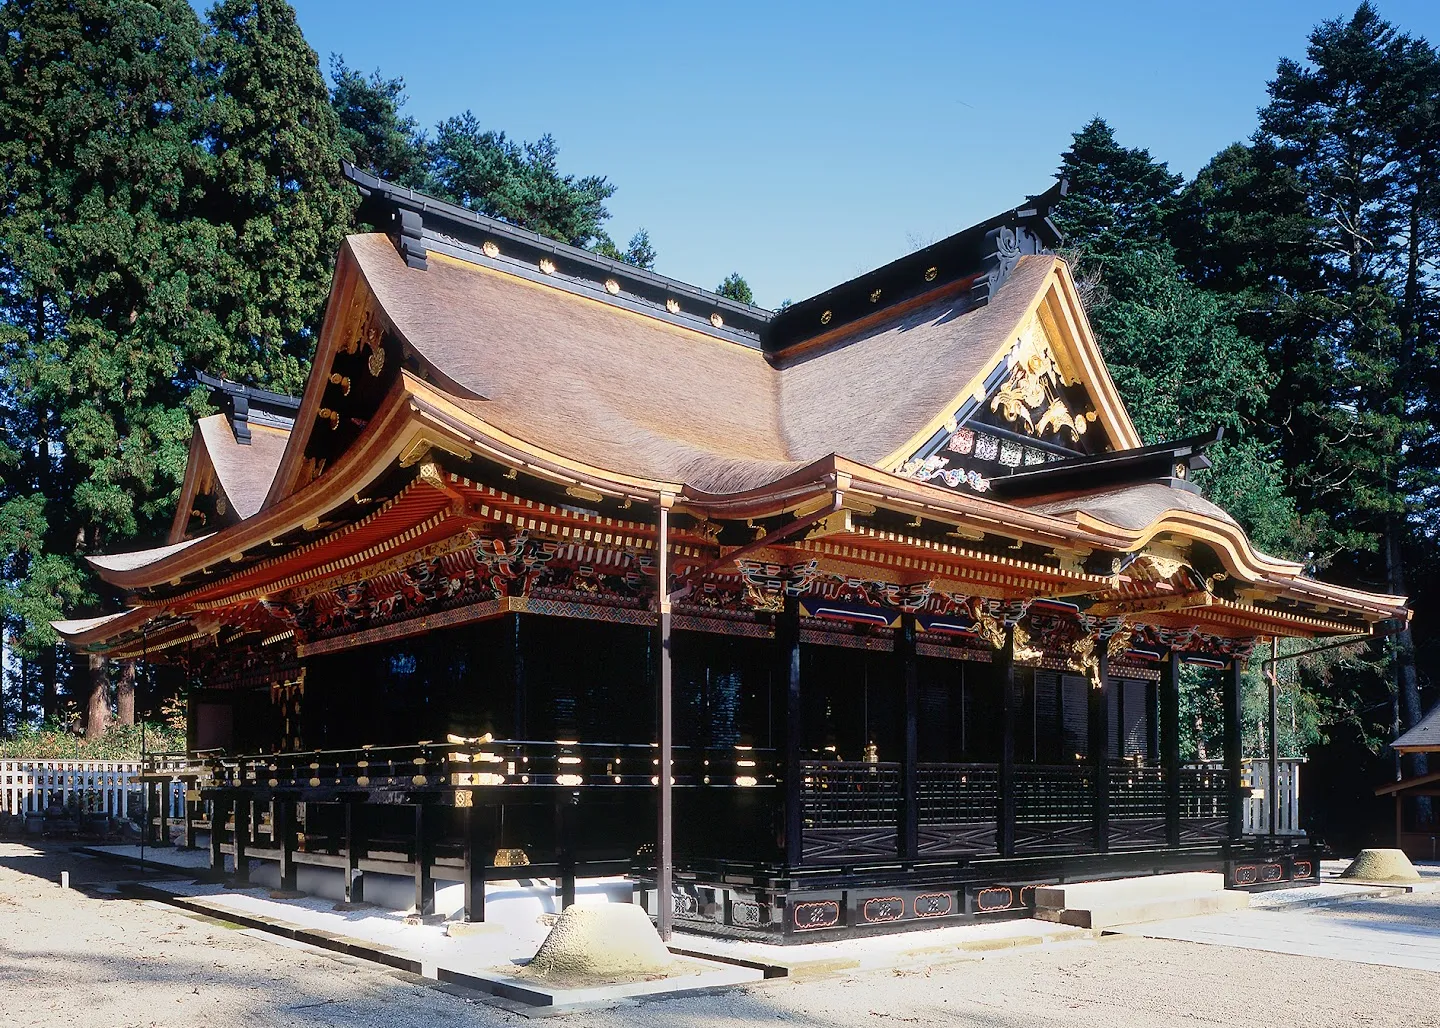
{"x": 87, "y": 786}
{"x": 1257, "y": 806}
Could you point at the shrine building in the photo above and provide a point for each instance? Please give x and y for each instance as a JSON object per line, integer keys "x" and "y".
{"x": 865, "y": 613}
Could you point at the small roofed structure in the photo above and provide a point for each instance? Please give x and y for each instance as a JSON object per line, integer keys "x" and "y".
{"x": 887, "y": 579}
{"x": 1417, "y": 830}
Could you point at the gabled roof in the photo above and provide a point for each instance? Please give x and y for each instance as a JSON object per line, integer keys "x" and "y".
{"x": 236, "y": 476}
{"x": 1423, "y": 738}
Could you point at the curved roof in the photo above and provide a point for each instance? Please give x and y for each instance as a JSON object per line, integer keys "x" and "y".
{"x": 639, "y": 396}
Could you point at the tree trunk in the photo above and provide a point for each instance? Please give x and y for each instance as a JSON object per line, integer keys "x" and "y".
{"x": 97, "y": 709}
{"x": 1407, "y": 683}
{"x": 125, "y": 695}
{"x": 49, "y": 683}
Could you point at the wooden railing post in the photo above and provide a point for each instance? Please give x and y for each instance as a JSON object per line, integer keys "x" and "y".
{"x": 1169, "y": 690}
{"x": 1235, "y": 792}
{"x": 479, "y": 851}
{"x": 1102, "y": 747}
{"x": 1003, "y": 665}
{"x": 787, "y": 663}
{"x": 354, "y": 847}
{"x": 910, "y": 762}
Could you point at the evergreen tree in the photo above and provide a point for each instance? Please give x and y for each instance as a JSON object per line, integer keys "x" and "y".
{"x": 1119, "y": 197}
{"x": 275, "y": 190}
{"x": 375, "y": 135}
{"x": 639, "y": 251}
{"x": 518, "y": 182}
{"x": 736, "y": 288}
{"x": 101, "y": 253}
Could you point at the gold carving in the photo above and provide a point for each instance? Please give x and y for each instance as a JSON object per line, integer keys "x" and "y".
{"x": 431, "y": 475}
{"x": 717, "y": 320}
{"x": 1034, "y": 386}
{"x": 930, "y": 274}
{"x": 612, "y": 287}
{"x": 376, "y": 363}
{"x": 1119, "y": 642}
{"x": 490, "y": 249}
{"x": 547, "y": 265}
{"x": 1024, "y": 652}
{"x": 342, "y": 381}
{"x": 672, "y": 305}
{"x": 580, "y": 492}
{"x": 875, "y": 296}
{"x": 825, "y": 318}
{"x": 991, "y": 628}
{"x": 326, "y": 414}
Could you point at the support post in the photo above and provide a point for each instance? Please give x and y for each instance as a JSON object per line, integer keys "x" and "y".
{"x": 665, "y": 842}
{"x": 189, "y": 809}
{"x": 242, "y": 832}
{"x": 162, "y": 789}
{"x": 424, "y": 884}
{"x": 1102, "y": 746}
{"x": 218, "y": 813}
{"x": 787, "y": 647}
{"x": 479, "y": 849}
{"x": 1170, "y": 743}
{"x": 517, "y": 675}
{"x": 1235, "y": 792}
{"x": 1003, "y": 664}
{"x": 354, "y": 847}
{"x": 565, "y": 852}
{"x": 282, "y": 826}
{"x": 910, "y": 759}
{"x": 1274, "y": 784}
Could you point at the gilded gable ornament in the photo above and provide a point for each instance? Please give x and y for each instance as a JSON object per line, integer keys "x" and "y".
{"x": 1031, "y": 395}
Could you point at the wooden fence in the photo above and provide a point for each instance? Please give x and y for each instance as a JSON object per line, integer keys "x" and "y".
{"x": 90, "y": 786}
{"x": 1257, "y": 807}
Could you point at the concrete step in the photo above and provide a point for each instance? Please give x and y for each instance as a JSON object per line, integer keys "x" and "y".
{"x": 1133, "y": 900}
{"x": 1128, "y": 890}
{"x": 1109, "y": 915}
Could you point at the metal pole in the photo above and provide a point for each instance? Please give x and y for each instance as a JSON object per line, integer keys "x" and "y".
{"x": 1274, "y": 783}
{"x": 664, "y": 850}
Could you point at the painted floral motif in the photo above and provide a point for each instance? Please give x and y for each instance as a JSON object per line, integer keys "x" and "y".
{"x": 935, "y": 466}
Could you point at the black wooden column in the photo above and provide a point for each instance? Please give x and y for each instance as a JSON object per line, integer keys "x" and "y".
{"x": 354, "y": 848}
{"x": 1102, "y": 745}
{"x": 665, "y": 826}
{"x": 910, "y": 759}
{"x": 1169, "y": 690}
{"x": 219, "y": 810}
{"x": 787, "y": 652}
{"x": 1235, "y": 792}
{"x": 424, "y": 883}
{"x": 242, "y": 832}
{"x": 479, "y": 850}
{"x": 1273, "y": 680}
{"x": 1003, "y": 666}
{"x": 565, "y": 857}
{"x": 282, "y": 826}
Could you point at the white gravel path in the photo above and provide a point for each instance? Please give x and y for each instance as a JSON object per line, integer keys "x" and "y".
{"x": 69, "y": 960}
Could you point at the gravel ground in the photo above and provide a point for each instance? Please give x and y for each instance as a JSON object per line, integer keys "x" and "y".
{"x": 66, "y": 959}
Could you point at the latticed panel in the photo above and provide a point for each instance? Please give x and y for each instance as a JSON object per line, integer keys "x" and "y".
{"x": 1054, "y": 807}
{"x": 1137, "y": 793}
{"x": 958, "y": 793}
{"x": 847, "y": 794}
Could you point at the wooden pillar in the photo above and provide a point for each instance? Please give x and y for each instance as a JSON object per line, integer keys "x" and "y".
{"x": 665, "y": 841}
{"x": 282, "y": 834}
{"x": 424, "y": 884}
{"x": 1169, "y": 691}
{"x": 565, "y": 857}
{"x": 242, "y": 832}
{"x": 1102, "y": 745}
{"x": 1234, "y": 750}
{"x": 162, "y": 789}
{"x": 354, "y": 848}
{"x": 517, "y": 676}
{"x": 910, "y": 758}
{"x": 479, "y": 850}
{"x": 792, "y": 729}
{"x": 218, "y": 812}
{"x": 1003, "y": 664}
{"x": 1274, "y": 784}
{"x": 189, "y": 809}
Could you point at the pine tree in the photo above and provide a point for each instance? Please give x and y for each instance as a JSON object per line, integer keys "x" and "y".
{"x": 275, "y": 190}
{"x": 736, "y": 288}
{"x": 376, "y": 136}
{"x": 518, "y": 182}
{"x": 98, "y": 245}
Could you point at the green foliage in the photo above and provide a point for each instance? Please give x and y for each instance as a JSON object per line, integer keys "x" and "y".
{"x": 736, "y": 288}
{"x": 639, "y": 251}
{"x": 518, "y": 182}
{"x": 53, "y": 741}
{"x": 376, "y": 136}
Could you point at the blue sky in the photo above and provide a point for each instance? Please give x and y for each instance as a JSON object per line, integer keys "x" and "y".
{"x": 802, "y": 144}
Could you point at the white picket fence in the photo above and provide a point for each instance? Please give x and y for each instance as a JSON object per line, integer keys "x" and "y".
{"x": 99, "y": 786}
{"x": 1257, "y": 807}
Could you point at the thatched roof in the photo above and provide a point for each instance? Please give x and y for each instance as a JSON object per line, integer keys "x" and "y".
{"x": 637, "y": 395}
